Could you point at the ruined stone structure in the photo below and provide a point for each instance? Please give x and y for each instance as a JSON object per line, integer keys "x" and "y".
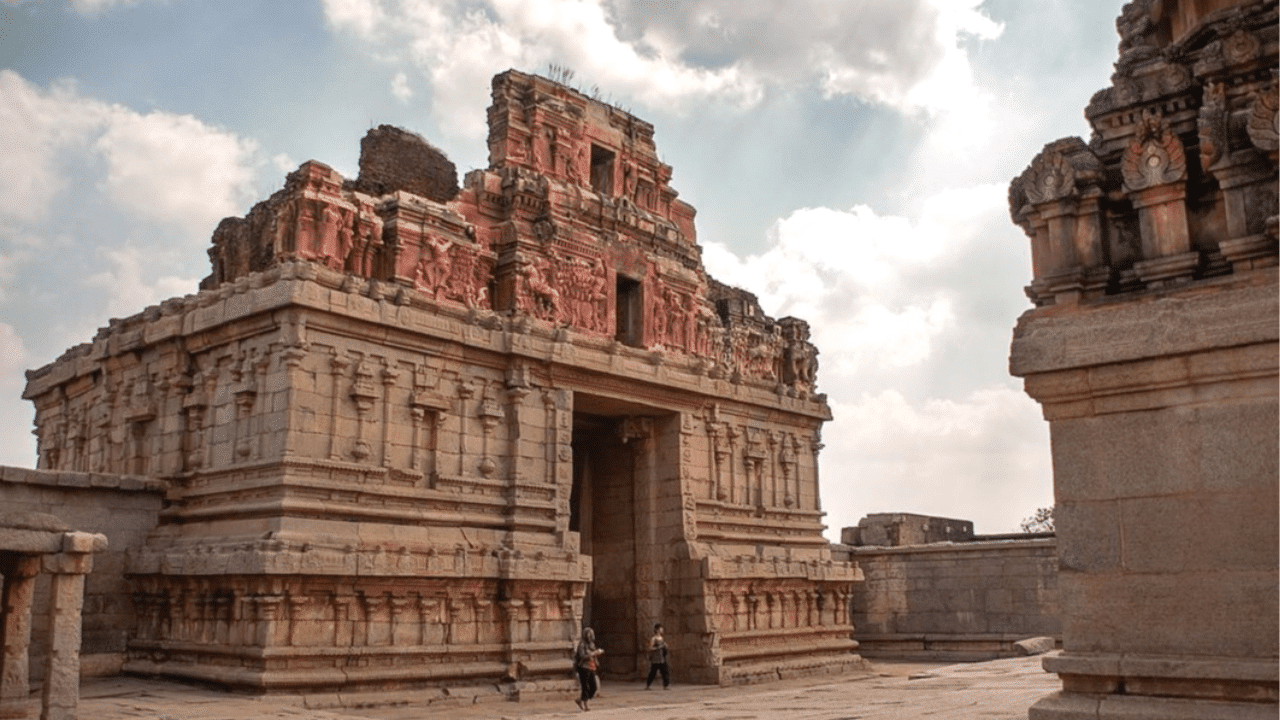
{"x": 1153, "y": 351}
{"x": 31, "y": 545}
{"x": 934, "y": 590}
{"x": 418, "y": 440}
{"x": 122, "y": 508}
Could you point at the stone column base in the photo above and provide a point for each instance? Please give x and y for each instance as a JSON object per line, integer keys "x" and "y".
{"x": 1075, "y": 706}
{"x": 1136, "y": 687}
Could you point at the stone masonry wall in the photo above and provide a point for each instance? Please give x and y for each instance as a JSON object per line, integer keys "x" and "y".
{"x": 122, "y": 507}
{"x": 392, "y": 159}
{"x": 955, "y": 601}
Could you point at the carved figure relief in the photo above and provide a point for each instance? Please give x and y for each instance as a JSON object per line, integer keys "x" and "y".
{"x": 1136, "y": 30}
{"x": 537, "y": 297}
{"x": 582, "y": 294}
{"x": 1154, "y": 156}
{"x": 452, "y": 271}
{"x": 468, "y": 283}
{"x": 434, "y": 264}
{"x": 366, "y": 242}
{"x": 1050, "y": 177}
{"x": 801, "y": 358}
{"x": 1240, "y": 47}
{"x": 1211, "y": 124}
{"x": 363, "y": 395}
{"x": 758, "y": 354}
{"x": 1264, "y": 120}
{"x": 706, "y": 326}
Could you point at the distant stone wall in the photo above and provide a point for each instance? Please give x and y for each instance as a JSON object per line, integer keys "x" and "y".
{"x": 954, "y": 601}
{"x": 122, "y": 507}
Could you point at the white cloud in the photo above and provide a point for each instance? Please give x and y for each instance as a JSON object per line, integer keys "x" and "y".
{"x": 908, "y": 55}
{"x": 846, "y": 272}
{"x": 400, "y": 87}
{"x": 905, "y": 54}
{"x": 884, "y": 296}
{"x": 34, "y": 127}
{"x": 156, "y": 166}
{"x": 131, "y": 283}
{"x": 458, "y": 45}
{"x": 175, "y": 169}
{"x": 974, "y": 458}
{"x": 17, "y": 446}
{"x": 283, "y": 163}
{"x": 93, "y": 8}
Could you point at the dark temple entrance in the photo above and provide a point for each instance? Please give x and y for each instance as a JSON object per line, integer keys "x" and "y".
{"x": 614, "y": 507}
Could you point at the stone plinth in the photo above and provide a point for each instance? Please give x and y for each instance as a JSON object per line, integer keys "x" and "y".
{"x": 1162, "y": 414}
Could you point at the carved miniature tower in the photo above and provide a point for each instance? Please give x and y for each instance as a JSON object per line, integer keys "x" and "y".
{"x": 417, "y": 436}
{"x": 1153, "y": 351}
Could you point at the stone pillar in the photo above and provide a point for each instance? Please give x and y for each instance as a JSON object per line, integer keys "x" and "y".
{"x": 1162, "y": 412}
{"x": 66, "y": 601}
{"x": 19, "y": 585}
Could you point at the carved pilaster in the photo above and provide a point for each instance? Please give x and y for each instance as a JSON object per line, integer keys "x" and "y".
{"x": 363, "y": 396}
{"x": 338, "y": 365}
{"x": 389, "y": 376}
{"x": 465, "y": 393}
{"x": 490, "y": 413}
{"x": 1154, "y": 167}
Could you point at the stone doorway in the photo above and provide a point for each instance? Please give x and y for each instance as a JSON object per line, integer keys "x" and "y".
{"x": 614, "y": 510}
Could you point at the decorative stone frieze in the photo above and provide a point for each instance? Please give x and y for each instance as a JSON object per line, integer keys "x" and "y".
{"x": 1128, "y": 210}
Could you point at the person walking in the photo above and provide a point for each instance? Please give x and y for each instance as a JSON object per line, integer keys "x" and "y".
{"x": 585, "y": 661}
{"x": 658, "y": 659}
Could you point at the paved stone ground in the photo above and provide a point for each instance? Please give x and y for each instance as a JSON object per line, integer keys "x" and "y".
{"x": 995, "y": 690}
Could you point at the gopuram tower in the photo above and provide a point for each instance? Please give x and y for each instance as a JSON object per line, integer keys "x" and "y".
{"x": 1152, "y": 349}
{"x": 417, "y": 436}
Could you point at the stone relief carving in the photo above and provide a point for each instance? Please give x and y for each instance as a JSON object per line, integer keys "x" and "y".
{"x": 1050, "y": 177}
{"x": 582, "y": 283}
{"x": 1240, "y": 47}
{"x": 537, "y": 296}
{"x": 1211, "y": 124}
{"x": 1264, "y": 120}
{"x": 447, "y": 270}
{"x": 1136, "y": 31}
{"x": 1153, "y": 157}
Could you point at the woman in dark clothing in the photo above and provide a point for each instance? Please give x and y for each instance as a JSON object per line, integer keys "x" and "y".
{"x": 658, "y": 659}
{"x": 585, "y": 661}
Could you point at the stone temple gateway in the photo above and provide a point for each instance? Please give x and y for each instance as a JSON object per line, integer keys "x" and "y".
{"x": 417, "y": 435}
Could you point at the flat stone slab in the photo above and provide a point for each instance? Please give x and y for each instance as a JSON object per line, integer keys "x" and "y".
{"x": 1001, "y": 689}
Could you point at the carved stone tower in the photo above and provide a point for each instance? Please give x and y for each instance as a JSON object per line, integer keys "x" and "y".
{"x": 1153, "y": 351}
{"x": 417, "y": 435}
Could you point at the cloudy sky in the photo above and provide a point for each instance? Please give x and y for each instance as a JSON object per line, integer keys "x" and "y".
{"x": 848, "y": 160}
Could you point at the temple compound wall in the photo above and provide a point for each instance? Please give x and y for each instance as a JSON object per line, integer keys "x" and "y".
{"x": 1152, "y": 349}
{"x": 419, "y": 440}
{"x": 124, "y": 509}
{"x": 935, "y": 591}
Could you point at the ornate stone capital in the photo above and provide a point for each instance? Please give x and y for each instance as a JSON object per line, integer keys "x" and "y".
{"x": 1154, "y": 157}
{"x": 1263, "y": 121}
